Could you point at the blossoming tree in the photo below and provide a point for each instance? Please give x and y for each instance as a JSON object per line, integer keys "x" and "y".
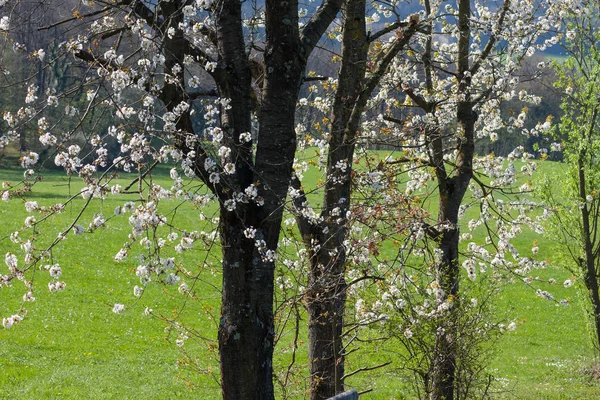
{"x": 326, "y": 234}
{"x": 440, "y": 98}
{"x": 149, "y": 59}
{"x": 574, "y": 219}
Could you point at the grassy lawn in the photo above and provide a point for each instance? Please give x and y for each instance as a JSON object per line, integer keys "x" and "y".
{"x": 71, "y": 344}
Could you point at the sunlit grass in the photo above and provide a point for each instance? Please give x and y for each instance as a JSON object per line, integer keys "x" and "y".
{"x": 71, "y": 345}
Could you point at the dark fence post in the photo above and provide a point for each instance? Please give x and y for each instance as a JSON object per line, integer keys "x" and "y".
{"x": 349, "y": 395}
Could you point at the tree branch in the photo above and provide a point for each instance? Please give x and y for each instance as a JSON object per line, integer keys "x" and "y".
{"x": 492, "y": 40}
{"x": 318, "y": 24}
{"x": 363, "y": 369}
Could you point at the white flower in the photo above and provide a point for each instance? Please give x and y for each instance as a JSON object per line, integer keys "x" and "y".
{"x": 118, "y": 308}
{"x": 568, "y": 283}
{"x": 78, "y": 230}
{"x": 56, "y": 286}
{"x": 11, "y": 261}
{"x": 4, "y": 23}
{"x": 145, "y": 243}
{"x": 31, "y": 206}
{"x": 98, "y": 220}
{"x": 214, "y": 177}
{"x": 183, "y": 288}
{"x": 28, "y": 297}
{"x": 229, "y": 204}
{"x": 47, "y": 139}
{"x": 245, "y": 137}
{"x": 55, "y": 271}
{"x": 229, "y": 168}
{"x": 186, "y": 243}
{"x": 116, "y": 189}
{"x": 210, "y": 66}
{"x": 121, "y": 255}
{"x": 30, "y": 221}
{"x": 172, "y": 236}
{"x": 10, "y": 321}
{"x": 172, "y": 279}
{"x": 70, "y": 110}
{"x": 29, "y": 160}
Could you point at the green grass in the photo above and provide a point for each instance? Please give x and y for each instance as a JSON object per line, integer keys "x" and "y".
{"x": 71, "y": 345}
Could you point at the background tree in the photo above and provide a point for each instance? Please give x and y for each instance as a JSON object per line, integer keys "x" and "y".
{"x": 455, "y": 87}
{"x": 575, "y": 209}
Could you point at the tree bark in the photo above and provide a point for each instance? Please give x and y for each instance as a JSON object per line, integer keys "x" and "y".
{"x": 327, "y": 286}
{"x": 588, "y": 265}
{"x": 451, "y": 191}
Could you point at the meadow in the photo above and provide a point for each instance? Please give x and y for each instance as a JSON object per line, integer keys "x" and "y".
{"x": 71, "y": 344}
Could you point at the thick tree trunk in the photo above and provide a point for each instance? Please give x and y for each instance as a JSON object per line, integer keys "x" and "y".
{"x": 246, "y": 329}
{"x": 326, "y": 304}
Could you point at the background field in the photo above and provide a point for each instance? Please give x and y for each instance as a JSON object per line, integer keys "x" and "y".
{"x": 71, "y": 345}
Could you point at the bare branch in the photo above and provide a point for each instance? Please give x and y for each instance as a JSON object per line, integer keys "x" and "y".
{"x": 363, "y": 369}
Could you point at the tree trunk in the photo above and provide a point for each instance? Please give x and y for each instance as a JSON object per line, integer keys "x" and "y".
{"x": 248, "y": 273}
{"x": 443, "y": 368}
{"x": 246, "y": 329}
{"x": 452, "y": 190}
{"x": 588, "y": 266}
{"x": 327, "y": 285}
{"x": 326, "y": 305}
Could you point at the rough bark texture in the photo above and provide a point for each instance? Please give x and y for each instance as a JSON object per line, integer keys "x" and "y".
{"x": 451, "y": 191}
